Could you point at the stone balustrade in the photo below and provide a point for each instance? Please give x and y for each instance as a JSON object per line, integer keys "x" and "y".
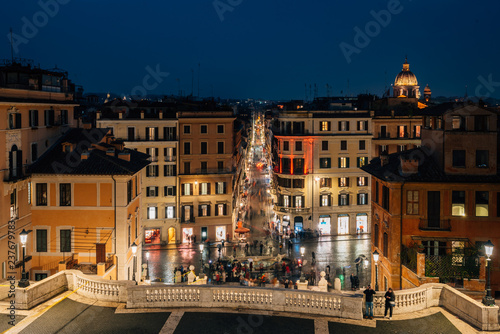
{"x": 106, "y": 290}
{"x": 310, "y": 302}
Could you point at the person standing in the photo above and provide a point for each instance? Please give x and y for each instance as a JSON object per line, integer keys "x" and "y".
{"x": 352, "y": 282}
{"x": 390, "y": 301}
{"x": 369, "y": 292}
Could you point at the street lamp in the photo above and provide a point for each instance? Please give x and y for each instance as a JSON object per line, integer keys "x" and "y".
{"x": 24, "y": 282}
{"x": 375, "y": 259}
{"x": 302, "y": 251}
{"x": 134, "y": 250}
{"x": 147, "y": 266}
{"x": 488, "y": 300}
{"x": 202, "y": 246}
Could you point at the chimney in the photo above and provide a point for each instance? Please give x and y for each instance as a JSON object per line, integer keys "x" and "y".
{"x": 142, "y": 114}
{"x": 160, "y": 114}
{"x": 85, "y": 155}
{"x": 408, "y": 166}
{"x": 124, "y": 156}
{"x": 98, "y": 115}
{"x": 120, "y": 115}
{"x": 384, "y": 158}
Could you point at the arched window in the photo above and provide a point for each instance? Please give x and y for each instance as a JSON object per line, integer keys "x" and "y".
{"x": 375, "y": 236}
{"x": 385, "y": 248}
{"x": 15, "y": 162}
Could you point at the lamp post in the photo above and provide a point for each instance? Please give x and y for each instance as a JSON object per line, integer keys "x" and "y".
{"x": 24, "y": 282}
{"x": 302, "y": 251}
{"x": 147, "y": 266}
{"x": 201, "y": 257}
{"x": 134, "y": 250}
{"x": 488, "y": 300}
{"x": 375, "y": 259}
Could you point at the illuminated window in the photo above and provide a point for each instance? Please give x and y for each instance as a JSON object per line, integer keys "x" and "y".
{"x": 325, "y": 200}
{"x": 286, "y": 201}
{"x": 325, "y": 126}
{"x": 362, "y": 199}
{"x": 325, "y": 163}
{"x": 298, "y": 202}
{"x": 344, "y": 162}
{"x": 362, "y": 161}
{"x": 482, "y": 202}
{"x": 169, "y": 212}
{"x": 343, "y": 199}
{"x": 152, "y": 212}
{"x": 412, "y": 202}
{"x": 343, "y": 182}
{"x": 458, "y": 203}
{"x": 362, "y": 181}
{"x": 204, "y": 188}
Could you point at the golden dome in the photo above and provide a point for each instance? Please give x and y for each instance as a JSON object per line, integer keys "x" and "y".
{"x": 406, "y": 77}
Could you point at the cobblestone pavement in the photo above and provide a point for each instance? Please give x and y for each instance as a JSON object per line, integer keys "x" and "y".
{"x": 75, "y": 314}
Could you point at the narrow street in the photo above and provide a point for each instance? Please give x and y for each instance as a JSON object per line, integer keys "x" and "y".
{"x": 333, "y": 254}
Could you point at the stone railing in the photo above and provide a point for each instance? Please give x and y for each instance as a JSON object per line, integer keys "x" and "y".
{"x": 436, "y": 294}
{"x": 100, "y": 289}
{"x": 309, "y": 302}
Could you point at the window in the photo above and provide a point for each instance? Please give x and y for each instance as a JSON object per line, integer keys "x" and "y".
{"x": 187, "y": 148}
{"x": 220, "y": 166}
{"x": 457, "y": 123}
{"x": 362, "y": 199}
{"x": 187, "y": 189}
{"x": 169, "y": 153}
{"x": 34, "y": 152}
{"x": 343, "y": 162}
{"x": 362, "y": 181}
{"x": 152, "y": 212}
{"x": 153, "y": 153}
{"x": 204, "y": 188}
{"x": 482, "y": 203}
{"x": 412, "y": 202}
{"x": 385, "y": 245}
{"x": 151, "y": 191}
{"x": 169, "y": 170}
{"x": 417, "y": 131}
{"x": 152, "y": 171}
{"x": 458, "y": 158}
{"x": 151, "y": 133}
{"x": 187, "y": 213}
{"x": 458, "y": 203}
{"x": 286, "y": 146}
{"x": 285, "y": 165}
{"x": 33, "y": 118}
{"x": 375, "y": 238}
{"x": 41, "y": 194}
{"x": 361, "y": 161}
{"x": 343, "y": 182}
{"x": 221, "y": 209}
{"x": 482, "y": 158}
{"x": 325, "y": 182}
{"x": 362, "y": 125}
{"x": 64, "y": 117}
{"x": 170, "y": 191}
{"x": 376, "y": 192}
{"x": 203, "y": 129}
{"x": 220, "y": 128}
{"x": 481, "y": 123}
{"x": 187, "y": 129}
{"x": 204, "y": 147}
{"x": 343, "y": 125}
{"x": 187, "y": 167}
{"x": 325, "y": 162}
{"x": 383, "y": 132}
{"x": 385, "y": 197}
{"x": 170, "y": 212}
{"x": 203, "y": 167}
{"x": 343, "y": 145}
{"x": 325, "y": 200}
{"x": 401, "y": 148}
{"x": 65, "y": 194}
{"x": 325, "y": 126}
{"x": 170, "y": 133}
{"x": 324, "y": 145}
{"x": 220, "y": 188}
{"x": 298, "y": 166}
{"x": 129, "y": 191}
{"x": 343, "y": 199}
{"x": 362, "y": 145}
{"x": 49, "y": 117}
{"x": 130, "y": 133}
{"x": 65, "y": 241}
{"x": 286, "y": 201}
{"x": 382, "y": 149}
{"x": 402, "y": 131}
{"x": 220, "y": 147}
{"x": 41, "y": 240}
{"x": 298, "y": 146}
{"x": 298, "y": 183}
{"x": 298, "y": 200}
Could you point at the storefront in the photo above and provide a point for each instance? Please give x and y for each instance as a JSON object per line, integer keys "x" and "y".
{"x": 220, "y": 233}
{"x": 343, "y": 224}
{"x": 171, "y": 235}
{"x": 152, "y": 236}
{"x": 325, "y": 226}
{"x": 187, "y": 234}
{"x": 361, "y": 223}
{"x": 298, "y": 224}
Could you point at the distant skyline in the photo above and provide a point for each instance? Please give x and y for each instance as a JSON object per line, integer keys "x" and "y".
{"x": 259, "y": 49}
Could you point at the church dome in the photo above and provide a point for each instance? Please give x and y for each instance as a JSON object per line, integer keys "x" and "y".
{"x": 406, "y": 77}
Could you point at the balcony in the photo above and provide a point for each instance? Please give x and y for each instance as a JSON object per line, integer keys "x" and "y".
{"x": 204, "y": 171}
{"x": 153, "y": 159}
{"x": 291, "y": 210}
{"x": 382, "y": 135}
{"x": 434, "y": 225}
{"x": 170, "y": 158}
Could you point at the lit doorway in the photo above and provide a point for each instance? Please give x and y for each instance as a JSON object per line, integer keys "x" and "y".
{"x": 343, "y": 222}
{"x": 187, "y": 234}
{"x": 204, "y": 234}
{"x": 361, "y": 223}
{"x": 325, "y": 226}
{"x": 298, "y": 224}
{"x": 171, "y": 235}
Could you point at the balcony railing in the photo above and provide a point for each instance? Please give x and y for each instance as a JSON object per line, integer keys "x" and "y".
{"x": 214, "y": 171}
{"x": 170, "y": 159}
{"x": 434, "y": 224}
{"x": 291, "y": 210}
{"x": 386, "y": 135}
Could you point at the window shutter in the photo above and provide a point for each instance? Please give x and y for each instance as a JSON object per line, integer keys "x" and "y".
{"x": 216, "y": 209}
{"x": 347, "y": 162}
{"x": 31, "y": 114}
{"x": 183, "y": 213}
{"x": 208, "y": 188}
{"x": 165, "y": 191}
{"x": 165, "y": 135}
{"x": 339, "y": 181}
{"x": 182, "y": 189}
{"x": 293, "y": 201}
{"x": 174, "y": 214}
{"x": 199, "y": 189}
{"x": 156, "y": 191}
{"x": 148, "y": 212}
{"x": 156, "y": 213}
{"x": 329, "y": 200}
{"x": 156, "y": 152}
{"x": 347, "y": 199}
{"x": 329, "y": 126}
{"x": 340, "y": 162}
{"x": 340, "y": 201}
{"x": 366, "y": 125}
{"x": 358, "y": 123}
{"x": 208, "y": 210}
{"x": 191, "y": 211}
{"x": 225, "y": 188}
{"x": 191, "y": 189}
{"x": 347, "y": 181}
{"x": 147, "y": 133}
{"x": 199, "y": 211}
{"x": 358, "y": 162}
{"x": 329, "y": 182}
{"x": 174, "y": 190}
{"x": 347, "y": 125}
{"x": 358, "y": 196}
{"x": 174, "y": 151}
{"x": 225, "y": 209}
{"x": 148, "y": 151}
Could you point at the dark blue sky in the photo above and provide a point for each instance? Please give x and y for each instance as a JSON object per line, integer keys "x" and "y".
{"x": 261, "y": 49}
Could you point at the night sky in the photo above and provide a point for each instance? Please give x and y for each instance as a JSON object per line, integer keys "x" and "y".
{"x": 259, "y": 49}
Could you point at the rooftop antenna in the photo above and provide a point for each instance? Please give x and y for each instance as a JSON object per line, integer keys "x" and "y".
{"x": 11, "y": 46}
